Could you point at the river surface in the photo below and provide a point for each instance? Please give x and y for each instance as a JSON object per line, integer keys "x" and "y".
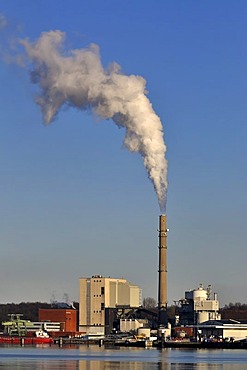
{"x": 96, "y": 358}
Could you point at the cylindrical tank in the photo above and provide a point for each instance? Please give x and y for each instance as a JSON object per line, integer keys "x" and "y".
{"x": 199, "y": 294}
{"x": 202, "y": 317}
{"x": 145, "y": 332}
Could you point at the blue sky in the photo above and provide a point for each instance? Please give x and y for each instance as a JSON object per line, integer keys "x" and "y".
{"x": 75, "y": 202}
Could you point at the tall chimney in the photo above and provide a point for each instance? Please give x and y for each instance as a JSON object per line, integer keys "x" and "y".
{"x": 162, "y": 289}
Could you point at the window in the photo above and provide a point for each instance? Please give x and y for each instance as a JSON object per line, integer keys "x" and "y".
{"x": 102, "y": 290}
{"x": 102, "y": 306}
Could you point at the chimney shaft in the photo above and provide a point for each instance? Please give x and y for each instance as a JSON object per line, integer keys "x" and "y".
{"x": 162, "y": 289}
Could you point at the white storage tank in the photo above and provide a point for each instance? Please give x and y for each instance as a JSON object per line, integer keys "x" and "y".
{"x": 202, "y": 317}
{"x": 199, "y": 294}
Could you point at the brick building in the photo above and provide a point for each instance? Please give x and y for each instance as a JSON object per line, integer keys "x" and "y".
{"x": 66, "y": 316}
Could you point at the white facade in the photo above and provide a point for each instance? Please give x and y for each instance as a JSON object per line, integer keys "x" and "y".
{"x": 44, "y": 325}
{"x": 127, "y": 325}
{"x": 206, "y": 310}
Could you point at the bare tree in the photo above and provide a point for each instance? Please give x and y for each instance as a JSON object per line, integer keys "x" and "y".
{"x": 149, "y": 302}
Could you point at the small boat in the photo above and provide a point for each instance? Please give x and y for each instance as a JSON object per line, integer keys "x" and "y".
{"x": 15, "y": 332}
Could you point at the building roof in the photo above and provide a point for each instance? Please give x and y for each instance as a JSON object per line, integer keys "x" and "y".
{"x": 62, "y": 305}
{"x": 224, "y": 324}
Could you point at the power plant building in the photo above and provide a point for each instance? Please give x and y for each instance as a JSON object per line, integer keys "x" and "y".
{"x": 99, "y": 296}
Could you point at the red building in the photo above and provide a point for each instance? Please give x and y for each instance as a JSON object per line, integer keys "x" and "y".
{"x": 66, "y": 316}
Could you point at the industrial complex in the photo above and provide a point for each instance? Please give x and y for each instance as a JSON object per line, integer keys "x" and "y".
{"x": 112, "y": 308}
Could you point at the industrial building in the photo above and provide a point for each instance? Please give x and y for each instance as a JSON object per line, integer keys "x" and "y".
{"x": 198, "y": 307}
{"x": 100, "y": 300}
{"x": 224, "y": 329}
{"x": 67, "y": 317}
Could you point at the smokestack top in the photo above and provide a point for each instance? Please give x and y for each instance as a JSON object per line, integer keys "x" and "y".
{"x": 162, "y": 222}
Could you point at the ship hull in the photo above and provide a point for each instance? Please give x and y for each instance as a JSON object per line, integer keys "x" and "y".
{"x": 25, "y": 340}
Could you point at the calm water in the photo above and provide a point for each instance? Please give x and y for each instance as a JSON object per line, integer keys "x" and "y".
{"x": 95, "y": 358}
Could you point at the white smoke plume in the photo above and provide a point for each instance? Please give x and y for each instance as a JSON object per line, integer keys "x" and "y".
{"x": 78, "y": 79}
{"x": 3, "y": 21}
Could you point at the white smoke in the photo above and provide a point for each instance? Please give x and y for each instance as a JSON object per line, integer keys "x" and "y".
{"x": 3, "y": 21}
{"x": 78, "y": 79}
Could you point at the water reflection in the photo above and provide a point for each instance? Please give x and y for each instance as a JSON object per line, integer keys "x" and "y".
{"x": 105, "y": 365}
{"x": 95, "y": 358}
{"x": 108, "y": 365}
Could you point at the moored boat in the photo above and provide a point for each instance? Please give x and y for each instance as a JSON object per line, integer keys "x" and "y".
{"x": 24, "y": 340}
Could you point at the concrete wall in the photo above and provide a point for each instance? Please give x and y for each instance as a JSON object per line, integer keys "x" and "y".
{"x": 97, "y": 301}
{"x": 235, "y": 333}
{"x": 113, "y": 294}
{"x": 207, "y": 305}
{"x": 127, "y": 325}
{"x": 123, "y": 294}
{"x": 83, "y": 311}
{"x": 135, "y": 296}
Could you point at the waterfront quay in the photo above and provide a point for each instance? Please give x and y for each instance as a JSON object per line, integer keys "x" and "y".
{"x": 147, "y": 343}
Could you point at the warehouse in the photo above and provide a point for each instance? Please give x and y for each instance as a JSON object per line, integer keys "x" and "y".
{"x": 225, "y": 329}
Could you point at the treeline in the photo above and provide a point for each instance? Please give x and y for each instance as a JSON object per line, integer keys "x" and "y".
{"x": 234, "y": 311}
{"x": 29, "y": 310}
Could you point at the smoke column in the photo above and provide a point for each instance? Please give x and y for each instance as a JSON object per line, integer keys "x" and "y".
{"x": 78, "y": 79}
